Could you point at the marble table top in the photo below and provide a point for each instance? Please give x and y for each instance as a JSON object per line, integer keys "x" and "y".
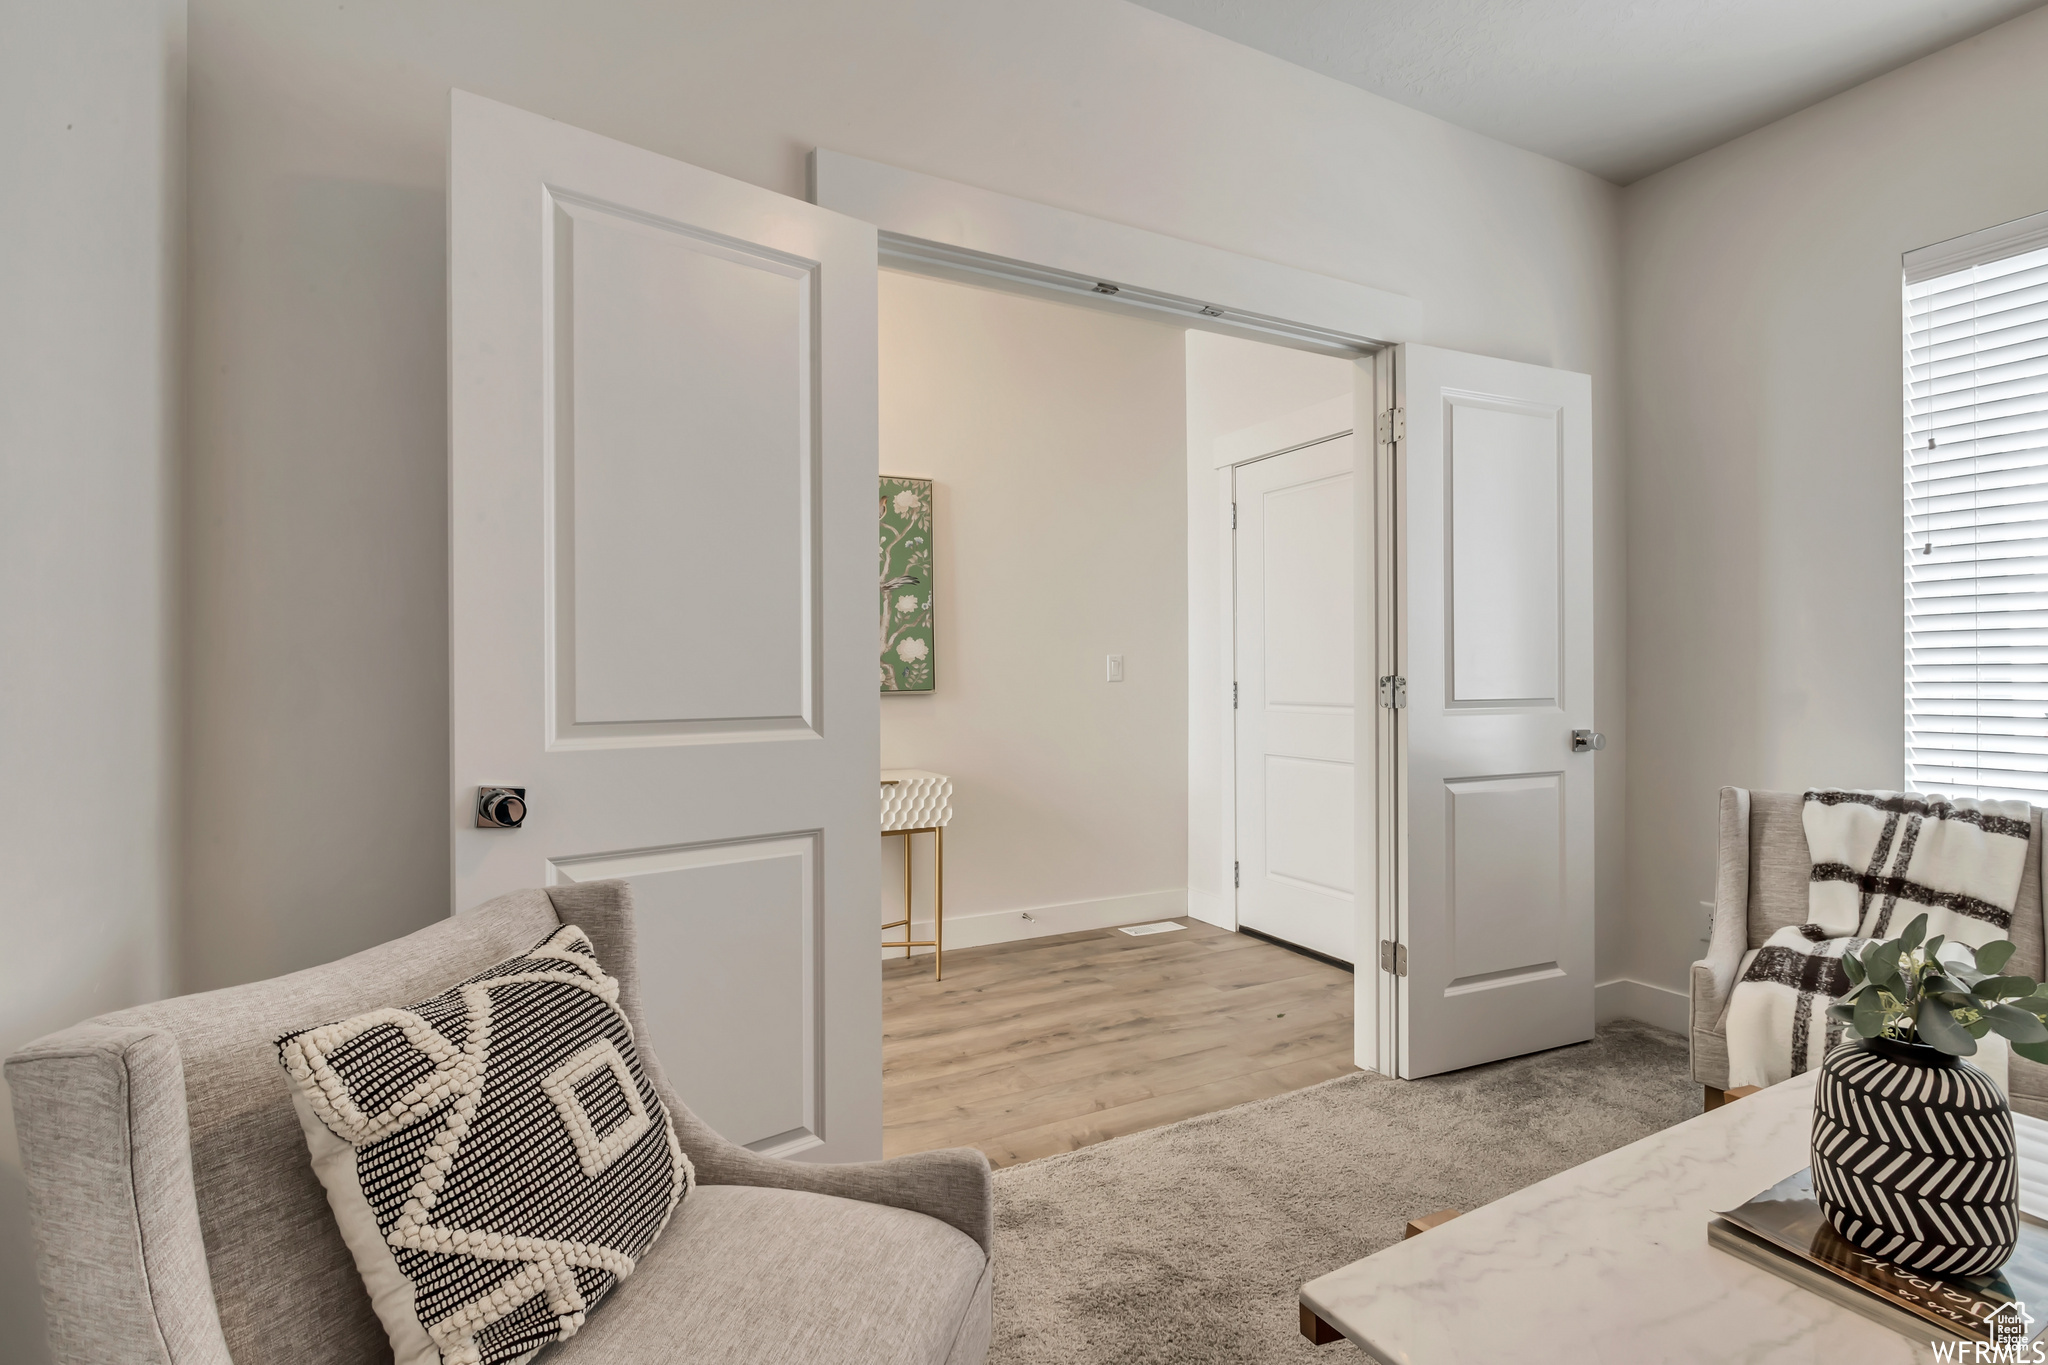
{"x": 1609, "y": 1262}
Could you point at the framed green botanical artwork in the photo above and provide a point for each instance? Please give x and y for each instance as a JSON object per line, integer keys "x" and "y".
{"x": 908, "y": 664}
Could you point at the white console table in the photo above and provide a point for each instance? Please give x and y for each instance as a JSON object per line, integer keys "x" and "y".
{"x": 1609, "y": 1262}
{"x": 915, "y": 801}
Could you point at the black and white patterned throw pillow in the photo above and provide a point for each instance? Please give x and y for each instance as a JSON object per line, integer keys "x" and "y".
{"x": 494, "y": 1156}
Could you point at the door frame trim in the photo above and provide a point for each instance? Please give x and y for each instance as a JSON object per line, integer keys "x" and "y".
{"x": 931, "y": 226}
{"x": 1389, "y": 772}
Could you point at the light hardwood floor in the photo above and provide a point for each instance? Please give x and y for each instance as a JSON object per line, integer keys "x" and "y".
{"x": 1049, "y": 1044}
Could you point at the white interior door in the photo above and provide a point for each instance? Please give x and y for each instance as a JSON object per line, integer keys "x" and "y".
{"x": 1495, "y": 642}
{"x": 1297, "y": 698}
{"x": 663, "y": 462}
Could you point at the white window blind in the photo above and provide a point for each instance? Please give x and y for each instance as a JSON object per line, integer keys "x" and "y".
{"x": 1977, "y": 519}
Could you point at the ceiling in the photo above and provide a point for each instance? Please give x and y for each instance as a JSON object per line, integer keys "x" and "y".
{"x": 1620, "y": 88}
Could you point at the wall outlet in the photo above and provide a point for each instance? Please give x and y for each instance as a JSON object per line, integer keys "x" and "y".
{"x": 1116, "y": 668}
{"x": 1707, "y": 925}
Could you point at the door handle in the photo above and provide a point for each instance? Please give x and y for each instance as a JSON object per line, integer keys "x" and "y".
{"x": 500, "y": 807}
{"x": 1585, "y": 741}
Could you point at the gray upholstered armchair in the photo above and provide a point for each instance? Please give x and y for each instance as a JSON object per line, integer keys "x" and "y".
{"x": 1762, "y": 887}
{"x": 179, "y": 1221}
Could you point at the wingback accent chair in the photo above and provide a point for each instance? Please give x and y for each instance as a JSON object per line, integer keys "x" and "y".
{"x": 1762, "y": 887}
{"x": 179, "y": 1221}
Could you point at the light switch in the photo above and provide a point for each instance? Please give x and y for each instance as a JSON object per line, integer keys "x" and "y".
{"x": 1116, "y": 668}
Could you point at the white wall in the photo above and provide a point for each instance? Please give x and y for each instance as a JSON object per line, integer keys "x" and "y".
{"x": 1235, "y": 389}
{"x": 1055, "y": 437}
{"x": 91, "y": 139}
{"x": 317, "y": 504}
{"x": 1765, "y": 515}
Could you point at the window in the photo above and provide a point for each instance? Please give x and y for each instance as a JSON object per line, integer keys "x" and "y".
{"x": 1976, "y": 318}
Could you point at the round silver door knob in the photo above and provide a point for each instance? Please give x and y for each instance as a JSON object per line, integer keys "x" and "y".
{"x": 500, "y": 807}
{"x": 1585, "y": 741}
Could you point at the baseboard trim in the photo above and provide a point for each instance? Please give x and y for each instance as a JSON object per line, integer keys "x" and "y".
{"x": 1008, "y": 926}
{"x": 1626, "y": 998}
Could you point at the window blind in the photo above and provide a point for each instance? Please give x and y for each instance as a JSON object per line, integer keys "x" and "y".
{"x": 1977, "y": 522}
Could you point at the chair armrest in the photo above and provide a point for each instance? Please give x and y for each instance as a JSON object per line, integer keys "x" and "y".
{"x": 953, "y": 1185}
{"x": 106, "y": 1153}
{"x": 1713, "y": 980}
{"x": 1713, "y": 977}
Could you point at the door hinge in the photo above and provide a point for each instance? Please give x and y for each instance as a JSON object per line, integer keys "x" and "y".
{"x": 1393, "y": 692}
{"x": 1233, "y": 696}
{"x": 1393, "y": 957}
{"x": 1233, "y": 516}
{"x": 1393, "y": 426}
{"x": 1237, "y": 874}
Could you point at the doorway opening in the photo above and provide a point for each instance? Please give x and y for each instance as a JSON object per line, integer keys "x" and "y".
{"x": 1076, "y": 676}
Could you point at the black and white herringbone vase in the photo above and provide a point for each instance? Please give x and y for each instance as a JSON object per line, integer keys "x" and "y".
{"x": 1913, "y": 1158}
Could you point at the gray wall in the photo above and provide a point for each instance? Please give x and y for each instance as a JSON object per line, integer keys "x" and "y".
{"x": 1765, "y": 551}
{"x": 91, "y": 121}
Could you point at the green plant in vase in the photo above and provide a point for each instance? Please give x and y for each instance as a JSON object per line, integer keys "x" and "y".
{"x": 1943, "y": 995}
{"x": 1914, "y": 1160}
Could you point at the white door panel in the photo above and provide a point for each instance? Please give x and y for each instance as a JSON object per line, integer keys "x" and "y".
{"x": 1297, "y": 697}
{"x": 1312, "y": 847}
{"x": 1503, "y": 531}
{"x": 1506, "y": 879}
{"x": 750, "y": 912}
{"x": 681, "y": 374}
{"x": 1495, "y": 642}
{"x": 662, "y": 444}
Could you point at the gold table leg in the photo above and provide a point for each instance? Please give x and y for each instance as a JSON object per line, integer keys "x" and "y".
{"x": 937, "y": 941}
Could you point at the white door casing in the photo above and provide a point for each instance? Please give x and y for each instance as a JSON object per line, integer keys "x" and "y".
{"x": 1296, "y": 697}
{"x": 1495, "y": 643}
{"x": 662, "y": 412}
{"x": 1376, "y": 1029}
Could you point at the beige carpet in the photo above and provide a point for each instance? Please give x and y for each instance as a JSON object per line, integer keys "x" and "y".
{"x": 1186, "y": 1244}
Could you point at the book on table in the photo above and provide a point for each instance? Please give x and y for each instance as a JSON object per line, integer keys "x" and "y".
{"x": 1784, "y": 1231}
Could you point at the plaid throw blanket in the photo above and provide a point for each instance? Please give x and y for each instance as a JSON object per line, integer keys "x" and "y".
{"x": 1879, "y": 859}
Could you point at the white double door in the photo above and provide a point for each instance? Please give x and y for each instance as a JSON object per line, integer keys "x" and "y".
{"x": 662, "y": 491}
{"x": 1296, "y": 697}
